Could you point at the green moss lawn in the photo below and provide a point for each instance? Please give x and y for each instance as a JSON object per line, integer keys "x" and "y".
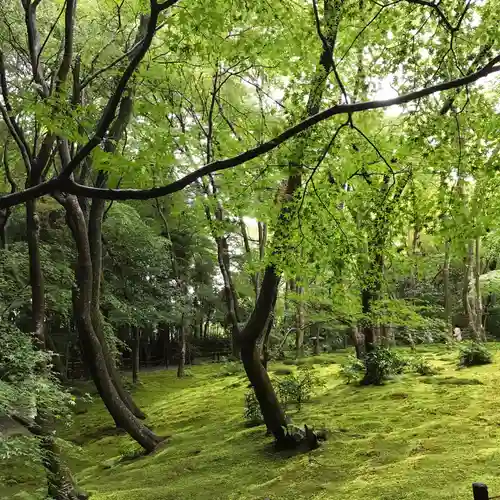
{"x": 414, "y": 438}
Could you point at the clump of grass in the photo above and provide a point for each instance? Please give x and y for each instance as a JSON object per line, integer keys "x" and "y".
{"x": 230, "y": 369}
{"x": 474, "y": 354}
{"x": 422, "y": 367}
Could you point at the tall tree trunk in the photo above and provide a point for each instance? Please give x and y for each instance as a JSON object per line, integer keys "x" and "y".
{"x": 95, "y": 220}
{"x": 271, "y": 410}
{"x": 479, "y": 328}
{"x": 315, "y": 337}
{"x": 446, "y": 288}
{"x": 135, "y": 354}
{"x": 466, "y": 282}
{"x": 299, "y": 323}
{"x": 92, "y": 348}
{"x": 358, "y": 341}
{"x": 182, "y": 349}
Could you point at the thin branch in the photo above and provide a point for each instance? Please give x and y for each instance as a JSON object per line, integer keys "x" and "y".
{"x": 72, "y": 187}
{"x": 112, "y": 105}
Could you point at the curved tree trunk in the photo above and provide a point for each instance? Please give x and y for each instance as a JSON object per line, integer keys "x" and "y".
{"x": 92, "y": 348}
{"x": 95, "y": 245}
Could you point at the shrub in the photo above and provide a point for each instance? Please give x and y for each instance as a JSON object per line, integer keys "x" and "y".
{"x": 378, "y": 366}
{"x": 473, "y": 354}
{"x": 352, "y": 370}
{"x": 252, "y": 413}
{"x": 423, "y": 367}
{"x": 297, "y": 387}
{"x": 230, "y": 368}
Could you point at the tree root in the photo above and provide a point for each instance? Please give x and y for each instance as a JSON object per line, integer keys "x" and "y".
{"x": 300, "y": 440}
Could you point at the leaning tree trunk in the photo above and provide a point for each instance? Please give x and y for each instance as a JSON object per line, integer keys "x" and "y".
{"x": 92, "y": 348}
{"x": 95, "y": 220}
{"x": 271, "y": 410}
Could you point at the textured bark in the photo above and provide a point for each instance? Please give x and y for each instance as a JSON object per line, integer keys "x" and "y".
{"x": 92, "y": 347}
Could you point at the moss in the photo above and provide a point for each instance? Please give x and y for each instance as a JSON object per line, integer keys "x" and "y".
{"x": 405, "y": 440}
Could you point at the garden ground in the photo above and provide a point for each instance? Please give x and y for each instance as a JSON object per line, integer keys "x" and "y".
{"x": 414, "y": 438}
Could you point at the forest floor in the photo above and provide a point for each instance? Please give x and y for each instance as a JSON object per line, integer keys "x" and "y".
{"x": 413, "y": 438}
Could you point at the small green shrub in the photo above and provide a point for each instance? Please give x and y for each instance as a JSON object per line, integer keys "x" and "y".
{"x": 473, "y": 354}
{"x": 423, "y": 367}
{"x": 298, "y": 387}
{"x": 252, "y": 413}
{"x": 381, "y": 364}
{"x": 352, "y": 370}
{"x": 230, "y": 369}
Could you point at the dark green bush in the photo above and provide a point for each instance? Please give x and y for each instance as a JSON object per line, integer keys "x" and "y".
{"x": 473, "y": 354}
{"x": 378, "y": 366}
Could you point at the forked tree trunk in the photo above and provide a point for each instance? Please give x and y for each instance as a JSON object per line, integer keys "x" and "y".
{"x": 92, "y": 348}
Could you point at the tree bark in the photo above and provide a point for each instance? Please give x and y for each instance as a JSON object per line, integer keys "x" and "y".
{"x": 182, "y": 349}
{"x": 479, "y": 328}
{"x": 135, "y": 354}
{"x": 299, "y": 323}
{"x": 466, "y": 282}
{"x": 95, "y": 220}
{"x": 92, "y": 348}
{"x": 446, "y": 288}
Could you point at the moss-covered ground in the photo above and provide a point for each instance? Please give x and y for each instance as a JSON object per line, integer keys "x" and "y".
{"x": 413, "y": 438}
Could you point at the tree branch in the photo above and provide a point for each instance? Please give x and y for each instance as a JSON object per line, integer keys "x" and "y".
{"x": 66, "y": 184}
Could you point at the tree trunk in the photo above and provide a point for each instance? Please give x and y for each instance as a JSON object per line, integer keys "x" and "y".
{"x": 35, "y": 273}
{"x": 135, "y": 354}
{"x": 182, "y": 349}
{"x": 446, "y": 289}
{"x": 95, "y": 220}
{"x": 271, "y": 410}
{"x": 358, "y": 341}
{"x": 477, "y": 285}
{"x": 299, "y": 323}
{"x": 315, "y": 337}
{"x": 92, "y": 348}
{"x": 466, "y": 283}
{"x": 60, "y": 483}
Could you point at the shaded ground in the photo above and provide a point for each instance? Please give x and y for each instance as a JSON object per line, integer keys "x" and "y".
{"x": 414, "y": 438}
